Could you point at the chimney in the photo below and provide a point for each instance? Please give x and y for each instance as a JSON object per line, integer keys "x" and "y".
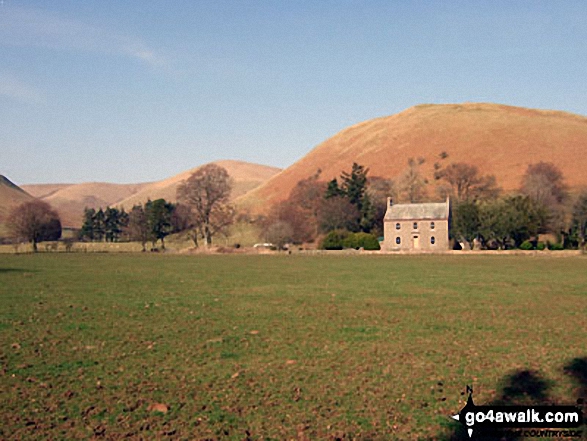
{"x": 389, "y": 202}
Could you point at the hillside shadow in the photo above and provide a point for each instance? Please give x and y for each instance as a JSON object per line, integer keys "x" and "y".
{"x": 522, "y": 387}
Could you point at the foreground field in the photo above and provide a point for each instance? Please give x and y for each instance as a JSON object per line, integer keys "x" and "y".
{"x": 281, "y": 347}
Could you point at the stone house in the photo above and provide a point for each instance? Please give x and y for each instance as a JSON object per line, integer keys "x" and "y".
{"x": 416, "y": 227}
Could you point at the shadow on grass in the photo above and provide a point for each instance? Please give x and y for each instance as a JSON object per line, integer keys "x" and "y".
{"x": 577, "y": 370}
{"x": 16, "y": 270}
{"x": 519, "y": 388}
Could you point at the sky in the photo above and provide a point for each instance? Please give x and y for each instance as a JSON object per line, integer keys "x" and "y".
{"x": 138, "y": 91}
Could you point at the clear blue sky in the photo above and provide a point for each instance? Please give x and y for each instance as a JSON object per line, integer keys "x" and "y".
{"x": 133, "y": 91}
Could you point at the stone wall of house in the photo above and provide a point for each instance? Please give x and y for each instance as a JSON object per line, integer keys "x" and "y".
{"x": 432, "y": 235}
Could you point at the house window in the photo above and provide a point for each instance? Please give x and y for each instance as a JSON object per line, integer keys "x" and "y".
{"x": 398, "y": 240}
{"x": 432, "y": 240}
{"x": 397, "y": 226}
{"x": 415, "y": 225}
{"x": 432, "y": 225}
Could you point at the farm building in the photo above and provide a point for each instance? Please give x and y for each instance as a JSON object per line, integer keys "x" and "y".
{"x": 416, "y": 227}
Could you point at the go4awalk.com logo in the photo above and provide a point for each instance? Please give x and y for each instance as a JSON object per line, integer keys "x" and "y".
{"x": 492, "y": 418}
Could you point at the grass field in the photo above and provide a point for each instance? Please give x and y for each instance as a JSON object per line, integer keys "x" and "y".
{"x": 280, "y": 347}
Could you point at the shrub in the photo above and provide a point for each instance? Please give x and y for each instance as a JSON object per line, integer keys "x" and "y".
{"x": 540, "y": 246}
{"x": 366, "y": 241}
{"x": 556, "y": 246}
{"x": 351, "y": 241}
{"x": 526, "y": 245}
{"x": 334, "y": 240}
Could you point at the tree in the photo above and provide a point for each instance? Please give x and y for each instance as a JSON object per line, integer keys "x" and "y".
{"x": 87, "y": 230}
{"x": 138, "y": 225}
{"x": 114, "y": 222}
{"x": 279, "y": 234}
{"x": 579, "y": 220}
{"x": 158, "y": 214}
{"x": 34, "y": 222}
{"x": 206, "y": 192}
{"x": 354, "y": 189}
{"x": 544, "y": 183}
{"x": 510, "y": 221}
{"x": 378, "y": 190}
{"x": 100, "y": 225}
{"x": 412, "y": 184}
{"x": 300, "y": 220}
{"x": 354, "y": 185}
{"x": 338, "y": 213}
{"x": 308, "y": 195}
{"x": 333, "y": 190}
{"x": 465, "y": 223}
{"x": 465, "y": 183}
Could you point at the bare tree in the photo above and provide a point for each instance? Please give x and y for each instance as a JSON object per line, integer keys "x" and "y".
{"x": 465, "y": 183}
{"x": 308, "y": 196}
{"x": 138, "y": 225}
{"x": 207, "y": 192}
{"x": 412, "y": 184}
{"x": 279, "y": 234}
{"x": 379, "y": 189}
{"x": 544, "y": 183}
{"x": 338, "y": 213}
{"x": 34, "y": 222}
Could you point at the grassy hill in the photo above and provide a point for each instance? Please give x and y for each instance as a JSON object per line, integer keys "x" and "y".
{"x": 246, "y": 176}
{"x": 71, "y": 199}
{"x": 500, "y": 140}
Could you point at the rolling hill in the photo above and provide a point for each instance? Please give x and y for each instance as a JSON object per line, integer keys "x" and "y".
{"x": 246, "y": 176}
{"x": 500, "y": 140}
{"x": 11, "y": 196}
{"x": 70, "y": 199}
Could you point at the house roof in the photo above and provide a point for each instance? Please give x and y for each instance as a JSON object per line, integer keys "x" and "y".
{"x": 418, "y": 211}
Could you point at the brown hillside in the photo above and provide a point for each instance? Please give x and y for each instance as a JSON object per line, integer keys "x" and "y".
{"x": 246, "y": 177}
{"x": 500, "y": 140}
{"x": 70, "y": 199}
{"x": 10, "y": 196}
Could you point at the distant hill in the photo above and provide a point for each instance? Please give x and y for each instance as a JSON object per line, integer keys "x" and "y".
{"x": 70, "y": 199}
{"x": 245, "y": 177}
{"x": 500, "y": 140}
{"x": 11, "y": 195}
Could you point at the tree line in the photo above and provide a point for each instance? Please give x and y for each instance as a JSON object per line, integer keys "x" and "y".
{"x": 345, "y": 211}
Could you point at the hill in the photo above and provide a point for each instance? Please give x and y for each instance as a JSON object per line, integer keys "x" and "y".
{"x": 501, "y": 140}
{"x": 70, "y": 199}
{"x": 246, "y": 176}
{"x": 11, "y": 195}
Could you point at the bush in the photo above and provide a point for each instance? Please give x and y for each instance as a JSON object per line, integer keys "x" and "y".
{"x": 540, "y": 246}
{"x": 366, "y": 241}
{"x": 556, "y": 246}
{"x": 339, "y": 239}
{"x": 351, "y": 242}
{"x": 334, "y": 240}
{"x": 526, "y": 245}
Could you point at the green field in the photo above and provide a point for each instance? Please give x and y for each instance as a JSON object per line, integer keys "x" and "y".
{"x": 280, "y": 347}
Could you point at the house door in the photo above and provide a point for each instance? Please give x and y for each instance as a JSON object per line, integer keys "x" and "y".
{"x": 416, "y": 242}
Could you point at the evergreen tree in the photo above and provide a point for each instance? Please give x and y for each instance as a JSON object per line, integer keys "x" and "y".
{"x": 333, "y": 190}
{"x": 99, "y": 222}
{"x": 112, "y": 228}
{"x": 87, "y": 231}
{"x": 159, "y": 218}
